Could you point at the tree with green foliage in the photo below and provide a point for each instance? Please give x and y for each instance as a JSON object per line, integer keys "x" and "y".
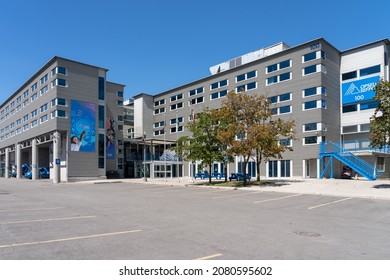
{"x": 380, "y": 121}
{"x": 248, "y": 130}
{"x": 202, "y": 145}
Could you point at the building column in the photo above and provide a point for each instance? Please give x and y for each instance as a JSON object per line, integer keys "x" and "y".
{"x": 34, "y": 159}
{"x": 56, "y": 157}
{"x": 319, "y": 168}
{"x": 18, "y": 160}
{"x": 6, "y": 163}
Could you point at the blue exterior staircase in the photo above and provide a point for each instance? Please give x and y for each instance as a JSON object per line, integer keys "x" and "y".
{"x": 330, "y": 149}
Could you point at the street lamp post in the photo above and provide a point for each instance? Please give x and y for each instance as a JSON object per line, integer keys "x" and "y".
{"x": 144, "y": 137}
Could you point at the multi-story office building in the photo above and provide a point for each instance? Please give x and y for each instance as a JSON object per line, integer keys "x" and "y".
{"x": 326, "y": 91}
{"x": 68, "y": 118}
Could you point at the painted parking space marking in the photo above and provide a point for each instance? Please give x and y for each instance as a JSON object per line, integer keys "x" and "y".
{"x": 31, "y": 209}
{"x": 209, "y": 191}
{"x": 278, "y": 198}
{"x": 237, "y": 195}
{"x": 209, "y": 257}
{"x": 47, "y": 220}
{"x": 329, "y": 203}
{"x": 69, "y": 239}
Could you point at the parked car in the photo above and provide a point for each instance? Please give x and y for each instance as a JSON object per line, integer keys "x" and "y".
{"x": 43, "y": 173}
{"x": 239, "y": 176}
{"x": 201, "y": 175}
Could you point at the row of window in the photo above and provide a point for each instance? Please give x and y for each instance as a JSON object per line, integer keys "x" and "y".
{"x": 362, "y": 72}
{"x": 360, "y": 107}
{"x": 34, "y": 113}
{"x": 43, "y": 80}
{"x": 309, "y": 105}
{"x": 253, "y": 74}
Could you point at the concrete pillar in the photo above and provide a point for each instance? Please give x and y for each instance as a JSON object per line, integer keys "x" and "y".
{"x": 18, "y": 161}
{"x": 34, "y": 163}
{"x": 6, "y": 163}
{"x": 56, "y": 157}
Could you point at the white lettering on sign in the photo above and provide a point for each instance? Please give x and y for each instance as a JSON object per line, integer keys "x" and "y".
{"x": 367, "y": 87}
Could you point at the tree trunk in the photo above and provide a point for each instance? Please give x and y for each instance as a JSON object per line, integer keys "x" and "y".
{"x": 246, "y": 159}
{"x": 258, "y": 162}
{"x": 210, "y": 173}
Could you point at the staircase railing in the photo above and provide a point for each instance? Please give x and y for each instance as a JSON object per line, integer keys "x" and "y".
{"x": 356, "y": 163}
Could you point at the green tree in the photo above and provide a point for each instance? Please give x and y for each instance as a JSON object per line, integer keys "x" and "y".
{"x": 202, "y": 145}
{"x": 380, "y": 121}
{"x": 248, "y": 130}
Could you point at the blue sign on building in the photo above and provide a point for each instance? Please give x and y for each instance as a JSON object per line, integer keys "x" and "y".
{"x": 359, "y": 90}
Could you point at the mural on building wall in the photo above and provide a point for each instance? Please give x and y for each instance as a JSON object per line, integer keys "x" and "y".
{"x": 110, "y": 138}
{"x": 83, "y": 126}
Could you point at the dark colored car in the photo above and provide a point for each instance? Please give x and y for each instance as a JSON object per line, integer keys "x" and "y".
{"x": 239, "y": 177}
{"x": 43, "y": 173}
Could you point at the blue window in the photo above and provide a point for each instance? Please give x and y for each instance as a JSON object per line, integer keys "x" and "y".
{"x": 241, "y": 88}
{"x": 311, "y": 140}
{"x": 369, "y": 105}
{"x": 223, "y": 93}
{"x": 272, "y": 80}
{"x": 285, "y": 97}
{"x": 223, "y": 83}
{"x": 310, "y": 69}
{"x": 251, "y": 74}
{"x": 285, "y": 142}
{"x": 349, "y": 75}
{"x": 285, "y": 64}
{"x": 285, "y": 76}
{"x": 101, "y": 150}
{"x": 309, "y": 56}
{"x": 273, "y": 168}
{"x": 310, "y": 92}
{"x": 370, "y": 70}
{"x": 120, "y": 93}
{"x": 251, "y": 86}
{"x": 284, "y": 109}
{"x": 273, "y": 99}
{"x": 272, "y": 68}
{"x": 285, "y": 168}
{"x": 349, "y": 108}
{"x": 310, "y": 126}
{"x": 101, "y": 88}
{"x": 310, "y": 105}
{"x": 240, "y": 78}
{"x": 101, "y": 117}
{"x": 215, "y": 95}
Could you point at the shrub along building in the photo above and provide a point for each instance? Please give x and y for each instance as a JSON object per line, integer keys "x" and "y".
{"x": 329, "y": 93}
{"x": 68, "y": 118}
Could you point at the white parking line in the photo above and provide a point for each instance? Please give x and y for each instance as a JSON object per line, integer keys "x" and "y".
{"x": 68, "y": 239}
{"x": 279, "y": 198}
{"x": 325, "y": 204}
{"x": 237, "y": 195}
{"x": 47, "y": 220}
{"x": 32, "y": 209}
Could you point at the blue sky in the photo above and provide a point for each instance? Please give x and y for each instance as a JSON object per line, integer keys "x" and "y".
{"x": 152, "y": 46}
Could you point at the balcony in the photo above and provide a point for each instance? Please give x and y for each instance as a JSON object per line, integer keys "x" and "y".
{"x": 362, "y": 146}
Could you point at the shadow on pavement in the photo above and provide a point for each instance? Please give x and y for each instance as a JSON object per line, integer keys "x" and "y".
{"x": 382, "y": 186}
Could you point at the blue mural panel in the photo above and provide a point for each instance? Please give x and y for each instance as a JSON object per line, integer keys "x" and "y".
{"x": 360, "y": 90}
{"x": 83, "y": 126}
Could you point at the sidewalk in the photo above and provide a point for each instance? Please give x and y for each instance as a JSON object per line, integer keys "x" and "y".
{"x": 379, "y": 189}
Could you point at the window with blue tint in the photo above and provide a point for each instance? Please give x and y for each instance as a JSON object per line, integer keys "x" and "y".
{"x": 273, "y": 99}
{"x": 240, "y": 78}
{"x": 310, "y": 69}
{"x": 285, "y": 76}
{"x": 284, "y": 109}
{"x": 369, "y": 105}
{"x": 285, "y": 168}
{"x": 349, "y": 108}
{"x": 251, "y": 74}
{"x": 240, "y": 88}
{"x": 285, "y": 142}
{"x": 370, "y": 70}
{"x": 310, "y": 126}
{"x": 101, "y": 88}
{"x": 285, "y": 97}
{"x": 272, "y": 80}
{"x": 214, "y": 86}
{"x": 101, "y": 150}
{"x": 273, "y": 168}
{"x": 120, "y": 94}
{"x": 251, "y": 86}
{"x": 323, "y": 54}
{"x": 285, "y": 64}
{"x": 323, "y": 104}
{"x": 101, "y": 117}
{"x": 323, "y": 90}
{"x": 272, "y": 68}
{"x": 309, "y": 56}
{"x": 310, "y": 105}
{"x": 199, "y": 90}
{"x": 61, "y": 70}
{"x": 310, "y": 92}
{"x": 61, "y": 113}
{"x": 223, "y": 93}
{"x": 215, "y": 95}
{"x": 223, "y": 83}
{"x": 349, "y": 75}
{"x": 274, "y": 111}
{"x": 310, "y": 140}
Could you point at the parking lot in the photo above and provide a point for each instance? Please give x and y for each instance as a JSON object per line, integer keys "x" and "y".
{"x": 40, "y": 220}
